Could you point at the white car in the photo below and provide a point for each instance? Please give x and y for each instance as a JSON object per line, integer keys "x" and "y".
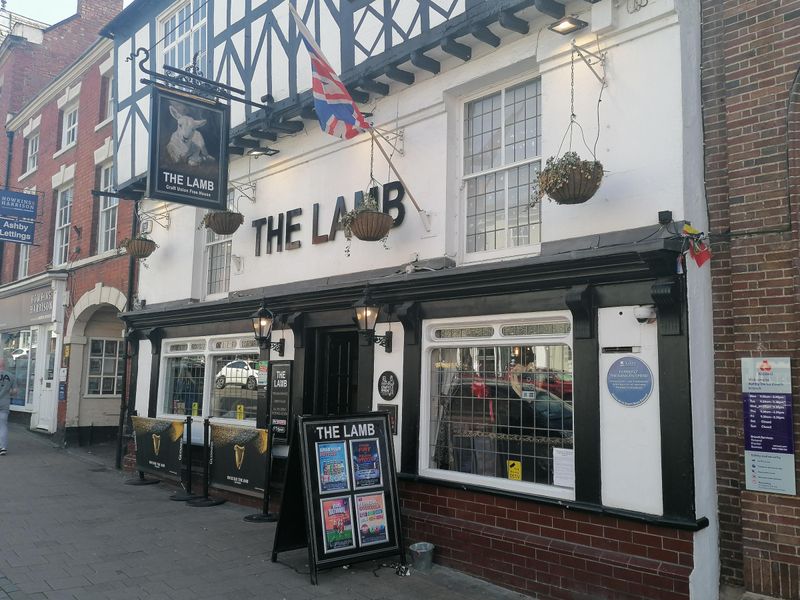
{"x": 238, "y": 372}
{"x": 19, "y": 353}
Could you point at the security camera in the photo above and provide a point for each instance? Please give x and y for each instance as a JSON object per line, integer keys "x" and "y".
{"x": 645, "y": 314}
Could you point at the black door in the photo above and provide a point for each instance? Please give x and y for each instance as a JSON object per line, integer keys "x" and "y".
{"x": 337, "y": 386}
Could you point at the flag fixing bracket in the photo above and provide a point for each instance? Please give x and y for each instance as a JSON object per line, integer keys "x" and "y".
{"x": 592, "y": 60}
{"x": 395, "y": 139}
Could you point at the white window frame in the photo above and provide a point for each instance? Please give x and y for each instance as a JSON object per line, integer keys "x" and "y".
{"x": 192, "y": 17}
{"x": 119, "y": 357}
{"x": 32, "y": 157}
{"x": 245, "y": 345}
{"x": 223, "y": 243}
{"x": 24, "y": 261}
{"x": 109, "y": 97}
{"x": 429, "y": 344}
{"x": 69, "y": 134}
{"x": 63, "y": 222}
{"x": 463, "y": 176}
{"x": 108, "y": 213}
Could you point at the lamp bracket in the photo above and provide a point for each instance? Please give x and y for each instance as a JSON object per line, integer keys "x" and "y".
{"x": 600, "y": 59}
{"x": 395, "y": 139}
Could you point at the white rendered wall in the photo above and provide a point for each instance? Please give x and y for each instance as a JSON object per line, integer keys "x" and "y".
{"x": 143, "y": 378}
{"x": 630, "y": 436}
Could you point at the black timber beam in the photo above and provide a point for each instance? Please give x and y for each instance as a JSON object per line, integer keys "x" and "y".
{"x": 456, "y": 49}
{"x": 374, "y": 86}
{"x": 419, "y": 60}
{"x": 286, "y": 126}
{"x": 485, "y": 35}
{"x": 399, "y": 75}
{"x": 358, "y": 95}
{"x": 551, "y": 8}
{"x": 263, "y": 135}
{"x": 513, "y": 23}
{"x": 238, "y": 150}
{"x": 308, "y": 112}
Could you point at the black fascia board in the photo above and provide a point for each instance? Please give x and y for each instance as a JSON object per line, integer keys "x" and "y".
{"x": 611, "y": 263}
{"x": 480, "y": 15}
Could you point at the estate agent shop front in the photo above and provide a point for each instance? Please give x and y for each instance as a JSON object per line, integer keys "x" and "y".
{"x": 538, "y": 361}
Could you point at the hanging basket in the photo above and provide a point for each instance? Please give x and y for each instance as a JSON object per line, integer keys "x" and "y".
{"x": 570, "y": 180}
{"x": 371, "y": 225}
{"x": 140, "y": 248}
{"x": 223, "y": 222}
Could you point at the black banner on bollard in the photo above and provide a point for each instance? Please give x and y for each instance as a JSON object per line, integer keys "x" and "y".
{"x": 159, "y": 445}
{"x": 206, "y": 500}
{"x": 186, "y": 494}
{"x": 237, "y": 458}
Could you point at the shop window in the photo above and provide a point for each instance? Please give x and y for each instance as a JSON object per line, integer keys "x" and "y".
{"x": 18, "y": 351}
{"x": 215, "y": 377}
{"x": 185, "y": 34}
{"x": 63, "y": 222}
{"x": 107, "y": 223}
{"x": 105, "y": 367}
{"x": 502, "y": 148}
{"x": 499, "y": 412}
{"x": 69, "y": 126}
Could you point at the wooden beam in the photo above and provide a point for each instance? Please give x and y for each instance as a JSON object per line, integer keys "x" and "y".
{"x": 285, "y": 126}
{"x": 551, "y": 8}
{"x": 374, "y": 86}
{"x": 457, "y": 49}
{"x": 513, "y": 23}
{"x": 419, "y": 60}
{"x": 358, "y": 95}
{"x": 238, "y": 150}
{"x": 264, "y": 135}
{"x": 400, "y": 75}
{"x": 485, "y": 35}
{"x": 308, "y": 112}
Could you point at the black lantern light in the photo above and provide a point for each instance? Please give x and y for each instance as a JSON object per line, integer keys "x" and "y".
{"x": 366, "y": 316}
{"x": 262, "y": 329}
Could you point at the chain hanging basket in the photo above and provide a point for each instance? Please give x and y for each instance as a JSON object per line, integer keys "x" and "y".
{"x": 139, "y": 247}
{"x": 371, "y": 225}
{"x": 223, "y": 222}
{"x": 571, "y": 180}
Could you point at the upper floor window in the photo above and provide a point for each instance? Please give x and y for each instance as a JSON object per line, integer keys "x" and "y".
{"x": 107, "y": 97}
{"x": 218, "y": 258}
{"x": 69, "y": 126}
{"x": 31, "y": 152}
{"x": 502, "y": 148}
{"x": 63, "y": 222}
{"x": 185, "y": 34}
{"x": 107, "y": 223}
{"x": 24, "y": 260}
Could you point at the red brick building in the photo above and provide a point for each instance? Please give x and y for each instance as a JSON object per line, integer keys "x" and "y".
{"x": 751, "y": 104}
{"x": 59, "y": 297}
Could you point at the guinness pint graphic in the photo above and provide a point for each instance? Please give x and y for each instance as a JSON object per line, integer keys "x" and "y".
{"x": 237, "y": 457}
{"x": 158, "y": 445}
{"x": 188, "y": 150}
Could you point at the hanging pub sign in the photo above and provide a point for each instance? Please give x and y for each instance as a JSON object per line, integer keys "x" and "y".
{"x": 237, "y": 458}
{"x": 188, "y": 150}
{"x": 159, "y": 445}
{"x": 17, "y": 216}
{"x": 340, "y": 496}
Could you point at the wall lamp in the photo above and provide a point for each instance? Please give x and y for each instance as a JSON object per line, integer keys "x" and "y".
{"x": 567, "y": 25}
{"x": 366, "y": 316}
{"x": 262, "y": 328}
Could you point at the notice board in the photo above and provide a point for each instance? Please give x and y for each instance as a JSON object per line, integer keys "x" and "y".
{"x": 341, "y": 470}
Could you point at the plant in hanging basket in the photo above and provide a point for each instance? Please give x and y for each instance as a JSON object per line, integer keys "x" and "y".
{"x": 140, "y": 246}
{"x": 222, "y": 222}
{"x": 568, "y": 179}
{"x": 367, "y": 222}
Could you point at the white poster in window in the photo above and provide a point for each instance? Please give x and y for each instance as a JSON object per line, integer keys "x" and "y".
{"x": 563, "y": 467}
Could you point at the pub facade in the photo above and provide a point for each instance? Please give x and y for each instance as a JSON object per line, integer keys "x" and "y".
{"x": 547, "y": 367}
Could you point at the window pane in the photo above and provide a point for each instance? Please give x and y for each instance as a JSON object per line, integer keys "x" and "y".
{"x": 184, "y": 385}
{"x": 235, "y": 391}
{"x": 494, "y": 404}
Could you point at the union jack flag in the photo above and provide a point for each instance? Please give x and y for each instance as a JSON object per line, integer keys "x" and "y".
{"x": 337, "y": 112}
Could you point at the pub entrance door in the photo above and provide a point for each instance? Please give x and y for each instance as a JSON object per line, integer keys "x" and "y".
{"x": 337, "y": 373}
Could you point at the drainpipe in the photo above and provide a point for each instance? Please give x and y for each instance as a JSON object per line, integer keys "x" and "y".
{"x": 124, "y": 400}
{"x": 10, "y": 135}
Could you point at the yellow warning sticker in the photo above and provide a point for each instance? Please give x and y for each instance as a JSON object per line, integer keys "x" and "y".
{"x": 514, "y": 470}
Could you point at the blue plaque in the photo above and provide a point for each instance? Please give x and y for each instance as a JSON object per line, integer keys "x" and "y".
{"x": 630, "y": 381}
{"x": 18, "y": 205}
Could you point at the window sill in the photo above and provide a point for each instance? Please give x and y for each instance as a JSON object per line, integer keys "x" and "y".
{"x": 27, "y": 174}
{"x": 22, "y": 409}
{"x": 65, "y": 149}
{"x": 520, "y": 488}
{"x": 102, "y": 124}
{"x": 487, "y": 256}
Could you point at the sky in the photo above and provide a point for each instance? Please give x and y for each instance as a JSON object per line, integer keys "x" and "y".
{"x": 48, "y": 11}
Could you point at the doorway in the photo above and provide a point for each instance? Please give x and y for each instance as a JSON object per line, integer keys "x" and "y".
{"x": 337, "y": 374}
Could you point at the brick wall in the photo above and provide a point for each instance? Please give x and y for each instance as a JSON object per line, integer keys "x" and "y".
{"x": 547, "y": 551}
{"x": 750, "y": 62}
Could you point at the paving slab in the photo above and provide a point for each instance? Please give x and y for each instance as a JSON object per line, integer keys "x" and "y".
{"x": 71, "y": 529}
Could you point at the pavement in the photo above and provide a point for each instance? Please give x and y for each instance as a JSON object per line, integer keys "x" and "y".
{"x": 70, "y": 529}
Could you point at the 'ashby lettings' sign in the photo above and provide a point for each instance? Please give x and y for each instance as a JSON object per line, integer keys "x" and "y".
{"x": 188, "y": 150}
{"x": 17, "y": 216}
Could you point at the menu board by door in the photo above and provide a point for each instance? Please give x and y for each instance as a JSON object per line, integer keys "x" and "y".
{"x": 347, "y": 478}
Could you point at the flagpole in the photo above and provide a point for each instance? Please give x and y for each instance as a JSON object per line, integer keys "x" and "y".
{"x": 426, "y": 220}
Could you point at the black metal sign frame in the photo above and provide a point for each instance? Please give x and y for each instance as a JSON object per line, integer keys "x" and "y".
{"x": 348, "y": 481}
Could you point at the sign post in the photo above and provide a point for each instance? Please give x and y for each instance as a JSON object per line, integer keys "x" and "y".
{"x": 769, "y": 446}
{"x": 341, "y": 469}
